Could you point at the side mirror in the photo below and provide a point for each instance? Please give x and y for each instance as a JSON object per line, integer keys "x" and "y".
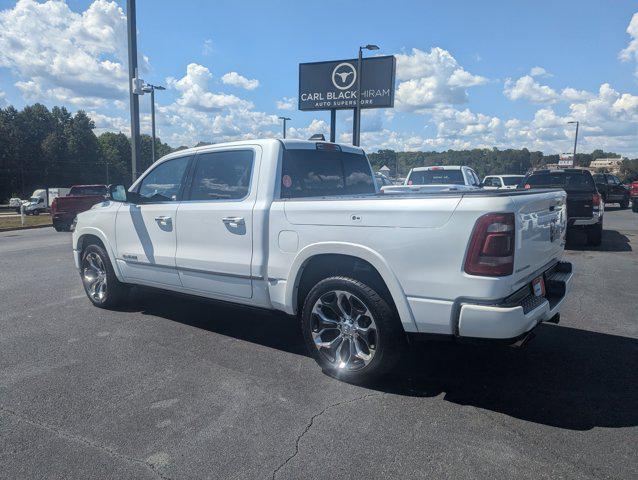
{"x": 481, "y": 185}
{"x": 117, "y": 193}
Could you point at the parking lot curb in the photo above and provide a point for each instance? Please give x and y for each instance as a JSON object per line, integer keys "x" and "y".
{"x": 30, "y": 227}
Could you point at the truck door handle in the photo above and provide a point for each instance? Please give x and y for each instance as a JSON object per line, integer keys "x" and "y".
{"x": 233, "y": 221}
{"x": 163, "y": 221}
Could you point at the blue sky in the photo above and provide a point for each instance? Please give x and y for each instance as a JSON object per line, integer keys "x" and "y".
{"x": 584, "y": 59}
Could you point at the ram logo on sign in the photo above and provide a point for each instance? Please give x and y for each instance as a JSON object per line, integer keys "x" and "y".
{"x": 333, "y": 85}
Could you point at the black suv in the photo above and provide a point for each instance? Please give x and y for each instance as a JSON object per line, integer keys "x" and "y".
{"x": 584, "y": 205}
{"x": 611, "y": 189}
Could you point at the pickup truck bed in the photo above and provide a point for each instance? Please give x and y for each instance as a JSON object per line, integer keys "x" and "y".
{"x": 79, "y": 199}
{"x": 300, "y": 227}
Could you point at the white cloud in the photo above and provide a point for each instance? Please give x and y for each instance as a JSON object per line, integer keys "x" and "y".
{"x": 572, "y": 95}
{"x": 237, "y": 80}
{"x": 526, "y": 88}
{"x": 286, "y": 103}
{"x": 314, "y": 127}
{"x": 106, "y": 123}
{"x": 207, "y": 48}
{"x": 631, "y": 51}
{"x": 539, "y": 72}
{"x": 433, "y": 78}
{"x": 72, "y": 57}
{"x": 194, "y": 91}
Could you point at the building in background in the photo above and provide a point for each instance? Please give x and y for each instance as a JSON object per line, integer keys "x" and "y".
{"x": 611, "y": 165}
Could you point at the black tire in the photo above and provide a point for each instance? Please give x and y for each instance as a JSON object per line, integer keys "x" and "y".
{"x": 634, "y": 205}
{"x": 115, "y": 293}
{"x": 388, "y": 340}
{"x": 624, "y": 203}
{"x": 61, "y": 227}
{"x": 595, "y": 234}
{"x": 36, "y": 212}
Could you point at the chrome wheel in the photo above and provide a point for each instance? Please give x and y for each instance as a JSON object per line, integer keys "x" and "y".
{"x": 343, "y": 330}
{"x": 94, "y": 277}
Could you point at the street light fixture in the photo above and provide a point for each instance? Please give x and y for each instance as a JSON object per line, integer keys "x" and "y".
{"x": 149, "y": 88}
{"x": 285, "y": 119}
{"x": 575, "y": 140}
{"x": 356, "y": 130}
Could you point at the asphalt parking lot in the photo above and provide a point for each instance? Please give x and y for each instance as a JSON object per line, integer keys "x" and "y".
{"x": 176, "y": 388}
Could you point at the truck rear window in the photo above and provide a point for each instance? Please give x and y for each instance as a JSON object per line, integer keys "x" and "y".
{"x": 436, "y": 177}
{"x": 569, "y": 181}
{"x": 323, "y": 173}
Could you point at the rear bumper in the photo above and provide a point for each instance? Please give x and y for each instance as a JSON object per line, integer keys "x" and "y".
{"x": 63, "y": 217}
{"x": 506, "y": 321}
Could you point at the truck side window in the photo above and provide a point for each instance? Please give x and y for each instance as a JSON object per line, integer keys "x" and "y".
{"x": 222, "y": 175}
{"x": 318, "y": 173}
{"x": 162, "y": 184}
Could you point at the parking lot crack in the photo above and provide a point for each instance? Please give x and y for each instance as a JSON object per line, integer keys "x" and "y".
{"x": 71, "y": 437}
{"x": 310, "y": 424}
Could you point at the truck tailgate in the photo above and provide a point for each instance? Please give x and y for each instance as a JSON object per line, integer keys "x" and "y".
{"x": 76, "y": 204}
{"x": 540, "y": 236}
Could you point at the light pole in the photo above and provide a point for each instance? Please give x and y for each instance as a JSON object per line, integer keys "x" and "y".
{"x": 356, "y": 123}
{"x": 285, "y": 119}
{"x": 575, "y": 141}
{"x": 133, "y": 93}
{"x": 151, "y": 89}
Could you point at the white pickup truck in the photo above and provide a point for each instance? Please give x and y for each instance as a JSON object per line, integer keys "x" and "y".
{"x": 444, "y": 178}
{"x": 301, "y": 227}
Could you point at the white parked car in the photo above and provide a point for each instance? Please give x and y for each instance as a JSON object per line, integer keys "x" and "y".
{"x": 300, "y": 227}
{"x": 15, "y": 203}
{"x": 437, "y": 179}
{"x": 510, "y": 182}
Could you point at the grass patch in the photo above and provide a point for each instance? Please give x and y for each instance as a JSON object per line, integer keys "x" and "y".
{"x": 14, "y": 223}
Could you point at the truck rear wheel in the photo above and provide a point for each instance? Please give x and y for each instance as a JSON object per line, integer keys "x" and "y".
{"x": 99, "y": 280}
{"x": 350, "y": 330}
{"x": 624, "y": 203}
{"x": 595, "y": 234}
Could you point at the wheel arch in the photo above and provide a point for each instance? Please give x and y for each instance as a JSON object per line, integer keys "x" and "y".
{"x": 90, "y": 236}
{"x": 318, "y": 261}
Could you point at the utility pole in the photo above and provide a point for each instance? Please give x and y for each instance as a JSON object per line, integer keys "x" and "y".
{"x": 133, "y": 94}
{"x": 285, "y": 119}
{"x": 575, "y": 142}
{"x": 356, "y": 121}
{"x": 149, "y": 88}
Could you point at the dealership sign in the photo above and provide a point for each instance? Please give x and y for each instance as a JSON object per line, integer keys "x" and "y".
{"x": 333, "y": 85}
{"x": 565, "y": 160}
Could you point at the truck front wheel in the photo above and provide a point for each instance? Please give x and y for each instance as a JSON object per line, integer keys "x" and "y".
{"x": 99, "y": 280}
{"x": 351, "y": 331}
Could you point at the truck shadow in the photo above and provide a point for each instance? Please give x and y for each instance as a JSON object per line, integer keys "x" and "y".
{"x": 613, "y": 241}
{"x": 566, "y": 377}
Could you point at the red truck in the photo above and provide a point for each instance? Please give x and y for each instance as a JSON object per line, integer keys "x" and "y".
{"x": 79, "y": 199}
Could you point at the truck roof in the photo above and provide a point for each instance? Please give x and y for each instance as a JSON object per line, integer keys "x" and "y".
{"x": 287, "y": 143}
{"x": 437, "y": 167}
{"x": 510, "y": 175}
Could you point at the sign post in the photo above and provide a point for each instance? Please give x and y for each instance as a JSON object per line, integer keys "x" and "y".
{"x": 334, "y": 85}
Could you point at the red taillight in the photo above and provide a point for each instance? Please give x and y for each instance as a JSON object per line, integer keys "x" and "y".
{"x": 595, "y": 200}
{"x": 491, "y": 249}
